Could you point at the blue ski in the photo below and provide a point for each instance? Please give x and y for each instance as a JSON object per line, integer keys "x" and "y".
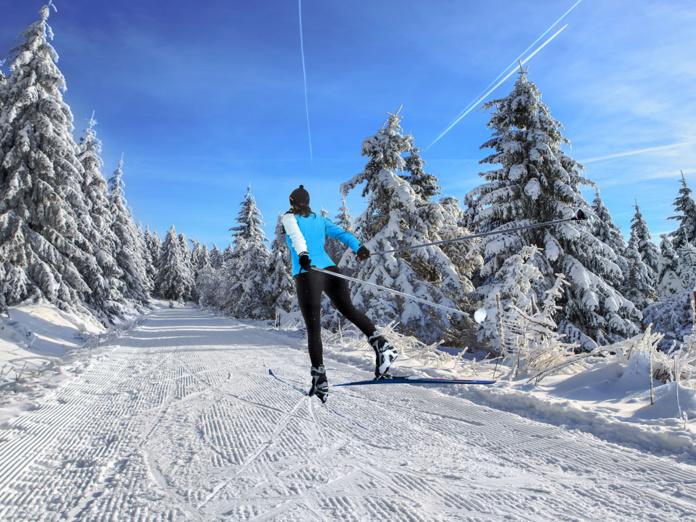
{"x": 415, "y": 380}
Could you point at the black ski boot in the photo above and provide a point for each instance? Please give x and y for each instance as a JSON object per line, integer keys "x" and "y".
{"x": 385, "y": 354}
{"x": 320, "y": 385}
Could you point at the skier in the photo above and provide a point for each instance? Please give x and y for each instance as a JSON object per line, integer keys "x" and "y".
{"x": 305, "y": 235}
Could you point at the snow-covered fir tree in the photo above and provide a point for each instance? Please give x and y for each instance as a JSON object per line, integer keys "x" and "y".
{"x": 537, "y": 182}
{"x": 685, "y": 205}
{"x": 110, "y": 291}
{"x": 606, "y": 231}
{"x": 246, "y": 289}
{"x": 672, "y": 317}
{"x": 687, "y": 266}
{"x": 425, "y": 185}
{"x": 639, "y": 285}
{"x": 464, "y": 254}
{"x": 334, "y": 248}
{"x": 130, "y": 250}
{"x": 153, "y": 244}
{"x": 174, "y": 279}
{"x": 200, "y": 257}
{"x": 669, "y": 283}
{"x": 641, "y": 240}
{"x": 216, "y": 257}
{"x": 397, "y": 217}
{"x": 43, "y": 244}
{"x": 281, "y": 286}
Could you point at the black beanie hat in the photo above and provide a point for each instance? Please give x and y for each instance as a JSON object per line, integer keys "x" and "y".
{"x": 300, "y": 196}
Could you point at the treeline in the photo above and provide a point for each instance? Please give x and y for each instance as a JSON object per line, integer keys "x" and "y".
{"x": 66, "y": 235}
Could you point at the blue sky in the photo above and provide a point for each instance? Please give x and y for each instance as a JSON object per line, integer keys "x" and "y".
{"x": 203, "y": 100}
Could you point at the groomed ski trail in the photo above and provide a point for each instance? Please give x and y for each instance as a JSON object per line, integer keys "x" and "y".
{"x": 181, "y": 421}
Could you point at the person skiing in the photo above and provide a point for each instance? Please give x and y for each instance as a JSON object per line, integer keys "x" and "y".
{"x": 305, "y": 235}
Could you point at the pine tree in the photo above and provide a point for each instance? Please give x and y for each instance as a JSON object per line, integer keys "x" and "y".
{"x": 397, "y": 217}
{"x": 685, "y": 205}
{"x": 425, "y": 185}
{"x": 607, "y": 232}
{"x": 641, "y": 240}
{"x": 247, "y": 294}
{"x": 281, "y": 285}
{"x": 174, "y": 279}
{"x": 154, "y": 248}
{"x": 130, "y": 250}
{"x": 216, "y": 258}
{"x": 43, "y": 246}
{"x": 639, "y": 286}
{"x": 687, "y": 266}
{"x": 668, "y": 282}
{"x": 101, "y": 235}
{"x": 199, "y": 257}
{"x": 537, "y": 182}
{"x": 334, "y": 248}
{"x": 514, "y": 289}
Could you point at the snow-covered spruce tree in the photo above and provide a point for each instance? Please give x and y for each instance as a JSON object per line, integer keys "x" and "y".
{"x": 130, "y": 250}
{"x": 464, "y": 254}
{"x": 200, "y": 257}
{"x": 685, "y": 205}
{"x": 280, "y": 284}
{"x": 530, "y": 338}
{"x": 216, "y": 257}
{"x": 333, "y": 247}
{"x": 153, "y": 244}
{"x": 207, "y": 276}
{"x": 605, "y": 230}
{"x": 669, "y": 283}
{"x": 397, "y": 217}
{"x": 537, "y": 182}
{"x": 174, "y": 279}
{"x": 639, "y": 285}
{"x": 687, "y": 266}
{"x": 672, "y": 317}
{"x": 110, "y": 293}
{"x": 641, "y": 240}
{"x": 246, "y": 292}
{"x": 44, "y": 250}
{"x": 425, "y": 185}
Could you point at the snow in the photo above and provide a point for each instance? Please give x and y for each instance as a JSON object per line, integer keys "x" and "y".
{"x": 174, "y": 416}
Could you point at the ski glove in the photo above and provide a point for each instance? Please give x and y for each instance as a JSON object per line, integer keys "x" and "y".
{"x": 363, "y": 253}
{"x": 305, "y": 262}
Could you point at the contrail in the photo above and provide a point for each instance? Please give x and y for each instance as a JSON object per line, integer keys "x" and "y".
{"x": 639, "y": 151}
{"x": 304, "y": 73}
{"x": 516, "y": 60}
{"x": 472, "y": 105}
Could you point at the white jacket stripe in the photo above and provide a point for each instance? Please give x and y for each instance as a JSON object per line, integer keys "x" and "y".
{"x": 294, "y": 233}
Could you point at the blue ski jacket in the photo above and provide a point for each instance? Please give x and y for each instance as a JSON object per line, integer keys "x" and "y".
{"x": 308, "y": 234}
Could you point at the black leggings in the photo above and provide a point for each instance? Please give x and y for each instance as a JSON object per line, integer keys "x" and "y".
{"x": 309, "y": 287}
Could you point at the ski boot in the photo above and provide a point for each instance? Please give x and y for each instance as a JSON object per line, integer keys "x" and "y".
{"x": 320, "y": 385}
{"x": 385, "y": 354}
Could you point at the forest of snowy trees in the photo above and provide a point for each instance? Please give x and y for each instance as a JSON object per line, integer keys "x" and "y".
{"x": 68, "y": 236}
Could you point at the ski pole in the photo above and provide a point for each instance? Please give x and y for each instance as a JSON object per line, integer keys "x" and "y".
{"x": 391, "y": 290}
{"x": 579, "y": 215}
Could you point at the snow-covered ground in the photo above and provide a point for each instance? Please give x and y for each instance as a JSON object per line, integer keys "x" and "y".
{"x": 176, "y": 417}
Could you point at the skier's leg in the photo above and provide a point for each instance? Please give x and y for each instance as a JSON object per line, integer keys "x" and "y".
{"x": 337, "y": 290}
{"x": 339, "y": 293}
{"x": 309, "y": 287}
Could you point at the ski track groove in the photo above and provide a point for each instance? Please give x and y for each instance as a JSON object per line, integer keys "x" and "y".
{"x": 181, "y": 421}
